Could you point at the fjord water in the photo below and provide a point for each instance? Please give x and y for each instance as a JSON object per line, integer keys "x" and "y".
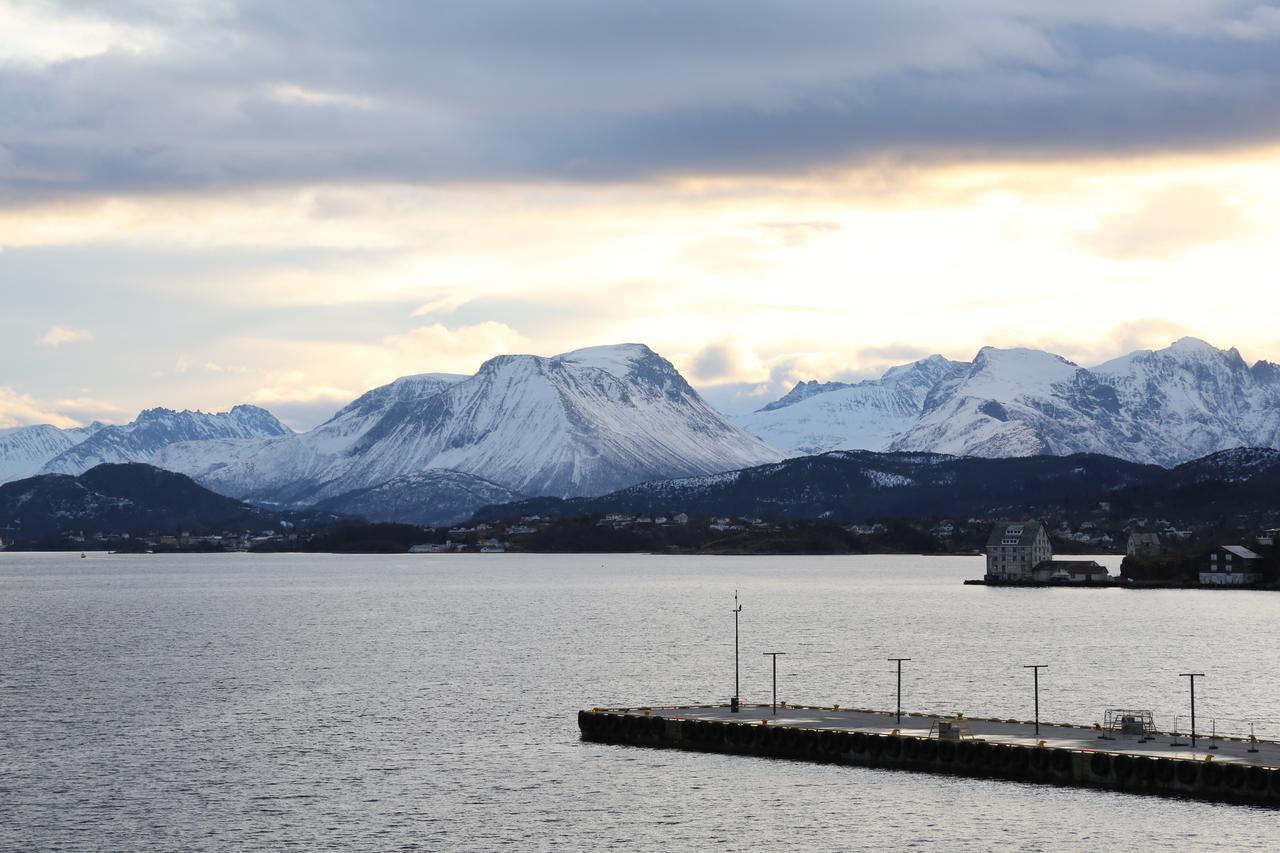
{"x": 428, "y": 702}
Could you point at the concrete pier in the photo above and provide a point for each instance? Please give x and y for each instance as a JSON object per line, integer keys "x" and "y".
{"x": 1061, "y": 755}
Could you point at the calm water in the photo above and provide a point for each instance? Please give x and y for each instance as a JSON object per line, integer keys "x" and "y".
{"x": 302, "y": 702}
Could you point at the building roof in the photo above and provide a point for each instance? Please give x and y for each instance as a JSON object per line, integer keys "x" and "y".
{"x": 1087, "y": 567}
{"x": 1241, "y": 552}
{"x": 1024, "y": 532}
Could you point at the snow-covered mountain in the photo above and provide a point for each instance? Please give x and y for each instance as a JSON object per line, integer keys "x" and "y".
{"x": 816, "y": 417}
{"x": 143, "y": 439}
{"x": 293, "y": 468}
{"x": 1192, "y": 399}
{"x": 1164, "y": 407}
{"x": 25, "y": 450}
{"x": 1019, "y": 402}
{"x": 581, "y": 423}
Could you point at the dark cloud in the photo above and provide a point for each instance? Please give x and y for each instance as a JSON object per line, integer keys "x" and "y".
{"x": 717, "y": 361}
{"x": 252, "y": 93}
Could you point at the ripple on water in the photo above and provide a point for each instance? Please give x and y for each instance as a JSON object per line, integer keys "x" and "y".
{"x": 236, "y": 701}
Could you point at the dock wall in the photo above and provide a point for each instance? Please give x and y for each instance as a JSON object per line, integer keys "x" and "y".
{"x": 1135, "y": 774}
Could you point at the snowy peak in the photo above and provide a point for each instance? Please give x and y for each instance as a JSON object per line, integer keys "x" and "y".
{"x": 405, "y": 389}
{"x": 803, "y": 391}
{"x": 242, "y": 421}
{"x": 583, "y": 422}
{"x": 922, "y": 375}
{"x": 619, "y": 360}
{"x": 1010, "y": 402}
{"x": 155, "y": 429}
{"x": 1160, "y": 406}
{"x": 1018, "y": 370}
{"x": 25, "y": 450}
{"x": 817, "y": 417}
{"x": 926, "y": 371}
{"x": 1266, "y": 373}
{"x": 1196, "y": 348}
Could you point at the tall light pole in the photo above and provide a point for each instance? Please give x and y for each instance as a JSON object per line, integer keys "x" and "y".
{"x": 737, "y": 608}
{"x": 1193, "y": 676}
{"x": 1036, "y": 667}
{"x": 899, "y": 660}
{"x": 774, "y": 655}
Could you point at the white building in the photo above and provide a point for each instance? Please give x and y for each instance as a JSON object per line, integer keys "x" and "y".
{"x": 1014, "y": 549}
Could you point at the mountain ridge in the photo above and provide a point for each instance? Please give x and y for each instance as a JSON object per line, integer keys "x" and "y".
{"x": 143, "y": 438}
{"x": 581, "y": 422}
{"x": 1163, "y": 406}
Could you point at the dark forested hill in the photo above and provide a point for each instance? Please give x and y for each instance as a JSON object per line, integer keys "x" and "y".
{"x": 119, "y": 498}
{"x": 860, "y": 485}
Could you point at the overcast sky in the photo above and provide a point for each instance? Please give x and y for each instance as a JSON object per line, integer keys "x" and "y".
{"x": 286, "y": 203}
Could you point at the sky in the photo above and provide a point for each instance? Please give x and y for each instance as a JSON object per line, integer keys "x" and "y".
{"x": 288, "y": 203}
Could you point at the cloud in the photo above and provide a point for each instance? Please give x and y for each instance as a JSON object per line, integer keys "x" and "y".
{"x": 735, "y": 379}
{"x": 445, "y": 304}
{"x": 301, "y": 392}
{"x": 800, "y": 233}
{"x": 895, "y": 353}
{"x": 59, "y": 335}
{"x": 1167, "y": 223}
{"x": 18, "y": 409}
{"x": 725, "y": 361}
{"x": 437, "y": 348}
{"x": 1145, "y": 333}
{"x": 636, "y": 89}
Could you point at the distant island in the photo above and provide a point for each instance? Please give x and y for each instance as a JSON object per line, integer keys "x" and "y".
{"x": 816, "y": 505}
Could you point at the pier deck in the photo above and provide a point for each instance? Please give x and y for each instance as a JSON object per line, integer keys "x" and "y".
{"x": 1076, "y": 756}
{"x": 992, "y": 731}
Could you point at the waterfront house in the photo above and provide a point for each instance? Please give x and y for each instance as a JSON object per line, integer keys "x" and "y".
{"x": 1144, "y": 545}
{"x": 1071, "y": 571}
{"x": 1015, "y": 548}
{"x": 1231, "y": 565}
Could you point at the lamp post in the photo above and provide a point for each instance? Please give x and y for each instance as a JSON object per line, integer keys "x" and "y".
{"x": 1193, "y": 676}
{"x": 774, "y": 655}
{"x": 1036, "y": 667}
{"x": 737, "y": 608}
{"x": 899, "y": 660}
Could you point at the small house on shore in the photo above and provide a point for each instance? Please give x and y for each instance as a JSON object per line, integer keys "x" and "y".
{"x": 1144, "y": 545}
{"x": 1231, "y": 565}
{"x": 1071, "y": 571}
